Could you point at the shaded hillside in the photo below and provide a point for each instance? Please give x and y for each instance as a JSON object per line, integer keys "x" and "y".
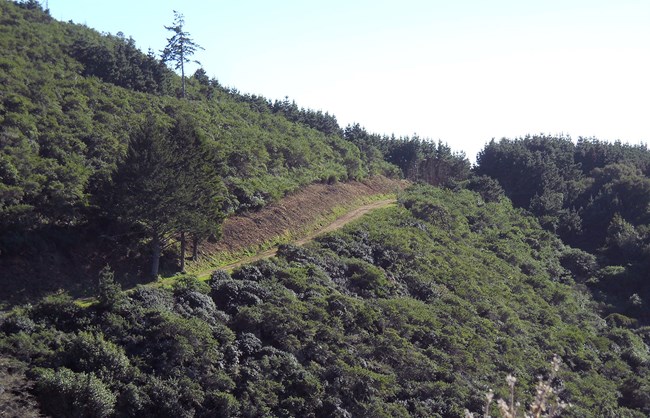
{"x": 412, "y": 311}
{"x": 72, "y": 266}
{"x": 594, "y": 195}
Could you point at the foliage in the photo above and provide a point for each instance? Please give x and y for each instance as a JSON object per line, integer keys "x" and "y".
{"x": 408, "y": 312}
{"x": 166, "y": 183}
{"x": 77, "y": 110}
{"x": 109, "y": 291}
{"x": 418, "y": 159}
{"x": 594, "y": 194}
{"x": 64, "y": 393}
{"x": 180, "y": 47}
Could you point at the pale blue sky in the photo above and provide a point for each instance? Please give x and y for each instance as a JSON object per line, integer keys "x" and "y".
{"x": 463, "y": 71}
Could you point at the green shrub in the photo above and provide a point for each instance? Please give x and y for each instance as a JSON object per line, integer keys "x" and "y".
{"x": 91, "y": 353}
{"x": 64, "y": 393}
{"x": 366, "y": 279}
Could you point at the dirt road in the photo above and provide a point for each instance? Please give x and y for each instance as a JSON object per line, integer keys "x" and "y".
{"x": 338, "y": 223}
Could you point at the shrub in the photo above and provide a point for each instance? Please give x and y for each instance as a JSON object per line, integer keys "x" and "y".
{"x": 172, "y": 397}
{"x": 190, "y": 284}
{"x": 229, "y": 295}
{"x": 88, "y": 352}
{"x": 582, "y": 264}
{"x": 196, "y": 304}
{"x": 58, "y": 311}
{"x": 17, "y": 322}
{"x": 110, "y": 292}
{"x": 249, "y": 272}
{"x": 489, "y": 188}
{"x": 221, "y": 404}
{"x": 217, "y": 276}
{"x": 366, "y": 279}
{"x": 64, "y": 393}
{"x": 153, "y": 298}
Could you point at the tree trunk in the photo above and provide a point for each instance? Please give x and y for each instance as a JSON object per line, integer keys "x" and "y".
{"x": 155, "y": 249}
{"x": 183, "y": 73}
{"x": 195, "y": 248}
{"x": 183, "y": 245}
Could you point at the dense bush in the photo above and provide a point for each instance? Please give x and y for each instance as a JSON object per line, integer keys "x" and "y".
{"x": 593, "y": 194}
{"x": 395, "y": 315}
{"x": 64, "y": 393}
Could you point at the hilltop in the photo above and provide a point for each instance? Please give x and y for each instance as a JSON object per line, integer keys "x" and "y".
{"x": 94, "y": 133}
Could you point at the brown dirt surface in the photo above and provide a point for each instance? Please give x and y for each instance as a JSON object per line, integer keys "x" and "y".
{"x": 338, "y": 223}
{"x": 15, "y": 397}
{"x": 294, "y": 213}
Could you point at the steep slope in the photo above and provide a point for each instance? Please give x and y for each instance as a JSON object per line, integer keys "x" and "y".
{"x": 296, "y": 212}
{"x": 338, "y": 223}
{"x": 412, "y": 311}
{"x": 73, "y": 129}
{"x": 73, "y": 104}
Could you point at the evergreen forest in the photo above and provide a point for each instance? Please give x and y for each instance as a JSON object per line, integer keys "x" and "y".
{"x": 115, "y": 171}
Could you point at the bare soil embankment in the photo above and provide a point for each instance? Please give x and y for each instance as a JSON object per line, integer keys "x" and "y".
{"x": 338, "y": 223}
{"x": 295, "y": 214}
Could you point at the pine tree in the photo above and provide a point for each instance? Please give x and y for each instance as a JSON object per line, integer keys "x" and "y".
{"x": 167, "y": 184}
{"x": 180, "y": 47}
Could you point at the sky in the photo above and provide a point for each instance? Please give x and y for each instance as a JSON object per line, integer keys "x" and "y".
{"x": 460, "y": 71}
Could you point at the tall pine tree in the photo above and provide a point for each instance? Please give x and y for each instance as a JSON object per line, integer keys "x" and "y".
{"x": 180, "y": 47}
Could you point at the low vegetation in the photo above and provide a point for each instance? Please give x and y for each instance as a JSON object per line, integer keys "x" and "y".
{"x": 412, "y": 311}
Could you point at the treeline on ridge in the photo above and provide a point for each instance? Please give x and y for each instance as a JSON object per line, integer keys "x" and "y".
{"x": 596, "y": 196}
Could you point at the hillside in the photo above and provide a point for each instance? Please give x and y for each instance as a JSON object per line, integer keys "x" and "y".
{"x": 98, "y": 147}
{"x": 412, "y": 311}
{"x": 93, "y": 139}
{"x": 596, "y": 196}
{"x": 111, "y": 175}
{"x": 298, "y": 211}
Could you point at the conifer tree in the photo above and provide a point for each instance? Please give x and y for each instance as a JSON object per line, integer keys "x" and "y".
{"x": 180, "y": 47}
{"x": 166, "y": 184}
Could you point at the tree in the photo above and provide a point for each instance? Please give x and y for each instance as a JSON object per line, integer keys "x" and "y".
{"x": 109, "y": 292}
{"x": 203, "y": 215}
{"x": 166, "y": 184}
{"x": 180, "y": 47}
{"x": 442, "y": 167}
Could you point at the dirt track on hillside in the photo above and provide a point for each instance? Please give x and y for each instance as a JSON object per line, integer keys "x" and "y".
{"x": 297, "y": 211}
{"x": 338, "y": 223}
